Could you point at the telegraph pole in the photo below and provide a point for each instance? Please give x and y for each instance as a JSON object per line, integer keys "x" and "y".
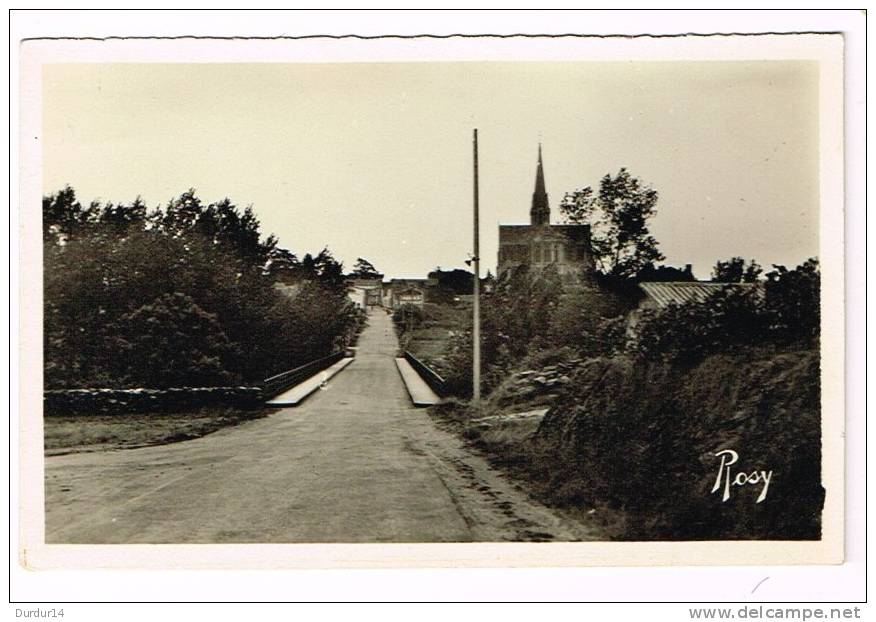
{"x": 476, "y": 260}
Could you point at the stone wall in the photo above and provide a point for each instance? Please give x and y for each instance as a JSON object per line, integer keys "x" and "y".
{"x": 122, "y": 401}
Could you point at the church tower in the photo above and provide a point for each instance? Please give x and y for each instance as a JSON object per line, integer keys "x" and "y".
{"x": 540, "y": 245}
{"x": 540, "y": 212}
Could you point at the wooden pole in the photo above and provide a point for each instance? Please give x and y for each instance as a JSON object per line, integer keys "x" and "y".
{"x": 476, "y": 330}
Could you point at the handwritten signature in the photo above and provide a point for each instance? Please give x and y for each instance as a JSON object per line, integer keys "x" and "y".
{"x": 726, "y": 479}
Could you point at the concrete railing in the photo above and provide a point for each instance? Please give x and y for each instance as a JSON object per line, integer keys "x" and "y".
{"x": 121, "y": 401}
{"x": 429, "y": 375}
{"x": 277, "y": 384}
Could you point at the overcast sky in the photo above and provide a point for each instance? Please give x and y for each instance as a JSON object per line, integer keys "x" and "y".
{"x": 375, "y": 160}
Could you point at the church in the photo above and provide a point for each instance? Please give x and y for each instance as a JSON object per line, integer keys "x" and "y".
{"x": 541, "y": 244}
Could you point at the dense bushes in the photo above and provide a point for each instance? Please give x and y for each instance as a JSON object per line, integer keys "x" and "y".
{"x": 685, "y": 333}
{"x": 408, "y": 317}
{"x": 636, "y": 420}
{"x": 793, "y": 303}
{"x": 172, "y": 338}
{"x": 641, "y": 438}
{"x": 515, "y": 318}
{"x": 782, "y": 313}
{"x": 528, "y": 313}
{"x": 180, "y": 296}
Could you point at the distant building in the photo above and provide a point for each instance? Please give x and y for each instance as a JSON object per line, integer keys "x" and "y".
{"x": 541, "y": 244}
{"x": 409, "y": 296}
{"x": 358, "y": 296}
{"x": 407, "y": 291}
{"x": 366, "y": 292}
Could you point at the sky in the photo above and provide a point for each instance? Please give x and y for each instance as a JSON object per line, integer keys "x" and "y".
{"x": 374, "y": 160}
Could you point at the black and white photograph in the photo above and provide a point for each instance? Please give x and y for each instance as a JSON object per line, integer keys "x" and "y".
{"x": 462, "y": 292}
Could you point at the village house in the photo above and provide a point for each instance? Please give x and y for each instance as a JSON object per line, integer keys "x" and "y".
{"x": 409, "y": 296}
{"x": 358, "y": 296}
{"x": 366, "y": 292}
{"x": 407, "y": 291}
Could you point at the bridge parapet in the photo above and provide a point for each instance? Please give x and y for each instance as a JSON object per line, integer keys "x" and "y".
{"x": 429, "y": 375}
{"x": 277, "y": 384}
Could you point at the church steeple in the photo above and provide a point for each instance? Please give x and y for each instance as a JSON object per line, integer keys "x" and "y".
{"x": 540, "y": 212}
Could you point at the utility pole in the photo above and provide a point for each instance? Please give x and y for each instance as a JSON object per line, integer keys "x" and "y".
{"x": 476, "y": 260}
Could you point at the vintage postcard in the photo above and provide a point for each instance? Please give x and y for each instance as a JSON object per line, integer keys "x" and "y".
{"x": 519, "y": 301}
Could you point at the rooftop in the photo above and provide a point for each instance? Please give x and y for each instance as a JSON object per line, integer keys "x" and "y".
{"x": 664, "y": 293}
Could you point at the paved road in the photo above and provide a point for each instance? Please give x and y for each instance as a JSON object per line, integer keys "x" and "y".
{"x": 355, "y": 463}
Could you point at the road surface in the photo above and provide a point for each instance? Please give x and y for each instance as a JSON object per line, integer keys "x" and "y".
{"x": 355, "y": 463}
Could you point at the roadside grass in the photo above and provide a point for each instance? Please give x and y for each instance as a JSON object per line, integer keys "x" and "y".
{"x": 428, "y": 342}
{"x": 64, "y": 434}
{"x": 503, "y": 435}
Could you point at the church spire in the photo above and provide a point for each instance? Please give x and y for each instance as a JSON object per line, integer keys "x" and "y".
{"x": 540, "y": 212}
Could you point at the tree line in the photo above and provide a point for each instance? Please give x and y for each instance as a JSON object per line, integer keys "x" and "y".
{"x": 180, "y": 295}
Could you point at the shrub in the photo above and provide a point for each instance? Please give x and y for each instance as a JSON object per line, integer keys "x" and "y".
{"x": 783, "y": 311}
{"x": 730, "y": 318}
{"x": 793, "y": 303}
{"x": 641, "y": 437}
{"x": 408, "y": 317}
{"x": 171, "y": 342}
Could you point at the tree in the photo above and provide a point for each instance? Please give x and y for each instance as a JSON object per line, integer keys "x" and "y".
{"x": 364, "y": 269}
{"x": 590, "y": 318}
{"x": 172, "y": 342}
{"x": 618, "y": 216}
{"x": 516, "y": 319}
{"x": 119, "y": 219}
{"x": 793, "y": 300}
{"x": 457, "y": 281}
{"x": 731, "y": 318}
{"x": 325, "y": 269}
{"x": 735, "y": 270}
{"x": 64, "y": 217}
{"x": 448, "y": 284}
{"x": 233, "y": 231}
{"x": 653, "y": 274}
{"x": 282, "y": 265}
{"x": 782, "y": 312}
{"x": 183, "y": 295}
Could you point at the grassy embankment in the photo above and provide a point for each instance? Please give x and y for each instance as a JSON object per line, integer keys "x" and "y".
{"x": 632, "y": 444}
{"x": 84, "y": 433}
